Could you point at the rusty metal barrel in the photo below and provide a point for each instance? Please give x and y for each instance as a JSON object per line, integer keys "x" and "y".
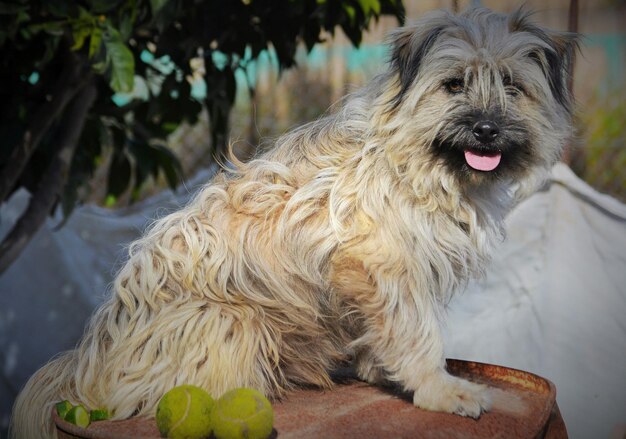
{"x": 524, "y": 406}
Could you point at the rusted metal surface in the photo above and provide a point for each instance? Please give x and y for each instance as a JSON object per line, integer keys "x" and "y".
{"x": 524, "y": 406}
{"x": 134, "y": 428}
{"x": 556, "y": 427}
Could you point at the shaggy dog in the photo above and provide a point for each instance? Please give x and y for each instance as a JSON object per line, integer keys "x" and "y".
{"x": 341, "y": 243}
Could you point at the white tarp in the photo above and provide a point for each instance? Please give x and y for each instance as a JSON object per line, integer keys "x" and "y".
{"x": 553, "y": 301}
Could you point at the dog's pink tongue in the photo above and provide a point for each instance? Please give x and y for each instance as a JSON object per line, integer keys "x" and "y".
{"x": 482, "y": 162}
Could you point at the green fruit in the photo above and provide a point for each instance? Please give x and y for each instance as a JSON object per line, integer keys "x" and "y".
{"x": 183, "y": 412}
{"x": 242, "y": 413}
{"x": 78, "y": 416}
{"x": 63, "y": 407}
{"x": 98, "y": 415}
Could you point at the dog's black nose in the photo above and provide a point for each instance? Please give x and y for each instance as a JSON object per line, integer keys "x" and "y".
{"x": 485, "y": 131}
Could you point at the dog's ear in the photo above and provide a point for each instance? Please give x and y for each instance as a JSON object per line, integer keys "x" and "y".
{"x": 409, "y": 46}
{"x": 557, "y": 62}
{"x": 555, "y": 57}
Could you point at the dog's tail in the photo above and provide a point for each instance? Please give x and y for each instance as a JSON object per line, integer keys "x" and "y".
{"x": 32, "y": 412}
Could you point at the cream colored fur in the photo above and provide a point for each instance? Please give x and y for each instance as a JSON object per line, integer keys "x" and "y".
{"x": 342, "y": 242}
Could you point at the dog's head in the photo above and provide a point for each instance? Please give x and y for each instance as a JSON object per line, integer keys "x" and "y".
{"x": 485, "y": 92}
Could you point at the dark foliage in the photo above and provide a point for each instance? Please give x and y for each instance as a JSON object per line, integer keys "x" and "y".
{"x": 51, "y": 51}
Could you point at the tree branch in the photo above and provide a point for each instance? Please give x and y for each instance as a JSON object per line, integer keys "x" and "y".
{"x": 52, "y": 181}
{"x": 65, "y": 89}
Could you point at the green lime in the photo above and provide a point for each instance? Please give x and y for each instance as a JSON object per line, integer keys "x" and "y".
{"x": 63, "y": 407}
{"x": 78, "y": 416}
{"x": 99, "y": 415}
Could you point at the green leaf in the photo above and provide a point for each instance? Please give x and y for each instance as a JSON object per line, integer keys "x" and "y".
{"x": 126, "y": 26}
{"x": 82, "y": 28}
{"x": 127, "y": 15}
{"x": 100, "y": 67}
{"x": 170, "y": 127}
{"x": 95, "y": 42}
{"x": 351, "y": 12}
{"x": 110, "y": 201}
{"x": 22, "y": 17}
{"x": 370, "y": 6}
{"x": 80, "y": 34}
{"x": 122, "y": 62}
{"x": 157, "y": 5}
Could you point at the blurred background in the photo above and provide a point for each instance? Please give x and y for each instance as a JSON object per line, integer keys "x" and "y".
{"x": 597, "y": 154}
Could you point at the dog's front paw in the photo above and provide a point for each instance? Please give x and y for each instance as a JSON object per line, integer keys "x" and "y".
{"x": 446, "y": 393}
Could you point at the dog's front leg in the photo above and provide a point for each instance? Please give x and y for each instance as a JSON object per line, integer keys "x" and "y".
{"x": 403, "y": 331}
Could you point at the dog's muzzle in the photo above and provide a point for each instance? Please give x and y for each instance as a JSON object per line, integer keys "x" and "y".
{"x": 485, "y": 131}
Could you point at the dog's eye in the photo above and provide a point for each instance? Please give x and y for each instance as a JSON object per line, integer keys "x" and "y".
{"x": 511, "y": 87}
{"x": 455, "y": 86}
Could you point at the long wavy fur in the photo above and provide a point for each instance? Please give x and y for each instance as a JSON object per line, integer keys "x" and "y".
{"x": 342, "y": 242}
